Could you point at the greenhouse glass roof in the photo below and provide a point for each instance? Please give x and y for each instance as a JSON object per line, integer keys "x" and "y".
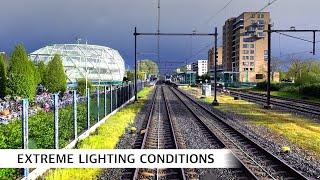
{"x": 100, "y": 64}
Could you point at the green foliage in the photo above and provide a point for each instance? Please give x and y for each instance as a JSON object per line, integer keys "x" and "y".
{"x": 274, "y": 86}
{"x": 3, "y": 77}
{"x": 204, "y": 77}
{"x": 291, "y": 89}
{"x": 183, "y": 69}
{"x": 55, "y": 79}
{"x": 310, "y": 89}
{"x": 36, "y": 73}
{"x": 283, "y": 75}
{"x": 148, "y": 66}
{"x": 106, "y": 137}
{"x": 130, "y": 75}
{"x": 81, "y": 87}
{"x": 40, "y": 133}
{"x": 307, "y": 72}
{"x": 42, "y": 70}
{"x": 21, "y": 74}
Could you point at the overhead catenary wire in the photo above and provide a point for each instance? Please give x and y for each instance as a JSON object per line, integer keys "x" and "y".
{"x": 218, "y": 12}
{"x": 295, "y": 37}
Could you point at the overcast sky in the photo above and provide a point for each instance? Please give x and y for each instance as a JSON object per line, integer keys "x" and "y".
{"x": 36, "y": 23}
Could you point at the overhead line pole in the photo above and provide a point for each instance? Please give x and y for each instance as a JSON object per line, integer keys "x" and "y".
{"x": 270, "y": 31}
{"x": 215, "y": 102}
{"x": 135, "y": 65}
{"x": 167, "y": 34}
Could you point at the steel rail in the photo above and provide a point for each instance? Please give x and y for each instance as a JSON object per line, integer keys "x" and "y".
{"x": 291, "y": 172}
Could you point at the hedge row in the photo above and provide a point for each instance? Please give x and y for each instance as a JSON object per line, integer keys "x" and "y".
{"x": 274, "y": 86}
{"x": 310, "y": 89}
{"x": 303, "y": 90}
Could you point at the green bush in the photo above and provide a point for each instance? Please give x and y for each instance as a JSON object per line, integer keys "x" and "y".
{"x": 41, "y": 133}
{"x": 55, "y": 79}
{"x": 21, "y": 74}
{"x": 291, "y": 89}
{"x": 310, "y": 89}
{"x": 274, "y": 86}
{"x": 81, "y": 86}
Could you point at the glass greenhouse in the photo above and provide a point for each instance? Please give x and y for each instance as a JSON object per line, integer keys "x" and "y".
{"x": 99, "y": 64}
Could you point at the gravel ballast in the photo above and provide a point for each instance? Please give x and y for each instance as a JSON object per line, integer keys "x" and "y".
{"x": 298, "y": 158}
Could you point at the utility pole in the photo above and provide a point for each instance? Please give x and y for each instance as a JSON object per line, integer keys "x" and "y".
{"x": 135, "y": 65}
{"x": 215, "y": 102}
{"x": 268, "y": 106}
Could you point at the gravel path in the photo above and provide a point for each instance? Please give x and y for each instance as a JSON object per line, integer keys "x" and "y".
{"x": 298, "y": 157}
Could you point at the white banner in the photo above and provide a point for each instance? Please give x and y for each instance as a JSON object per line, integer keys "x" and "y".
{"x": 118, "y": 158}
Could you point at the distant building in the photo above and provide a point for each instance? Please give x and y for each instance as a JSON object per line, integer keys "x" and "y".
{"x": 178, "y": 70}
{"x": 211, "y": 60}
{"x": 200, "y": 67}
{"x": 245, "y": 46}
{"x": 188, "y": 67}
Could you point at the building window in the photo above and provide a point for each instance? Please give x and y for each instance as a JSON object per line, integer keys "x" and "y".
{"x": 251, "y": 69}
{"x": 259, "y": 76}
{"x": 251, "y": 45}
{"x": 260, "y": 15}
{"x": 251, "y": 63}
{"x": 265, "y": 52}
{"x": 251, "y": 57}
{"x": 260, "y": 28}
{"x": 251, "y": 51}
{"x": 245, "y": 51}
{"x": 260, "y": 22}
{"x": 245, "y": 45}
{"x": 253, "y": 15}
{"x": 246, "y": 63}
{"x": 245, "y": 57}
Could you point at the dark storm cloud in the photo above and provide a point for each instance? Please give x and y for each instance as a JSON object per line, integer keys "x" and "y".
{"x": 36, "y": 23}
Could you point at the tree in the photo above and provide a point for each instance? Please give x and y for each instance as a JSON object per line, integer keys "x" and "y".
{"x": 21, "y": 76}
{"x": 307, "y": 72}
{"x": 148, "y": 66}
{"x": 81, "y": 87}
{"x": 204, "y": 77}
{"x": 42, "y": 70}
{"x": 36, "y": 73}
{"x": 55, "y": 79}
{"x": 3, "y": 77}
{"x": 140, "y": 75}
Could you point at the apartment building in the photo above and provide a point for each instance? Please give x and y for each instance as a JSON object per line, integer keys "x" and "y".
{"x": 200, "y": 67}
{"x": 245, "y": 46}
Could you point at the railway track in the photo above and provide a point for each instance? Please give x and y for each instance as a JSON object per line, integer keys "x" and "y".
{"x": 258, "y": 161}
{"x": 159, "y": 133}
{"x": 292, "y": 104}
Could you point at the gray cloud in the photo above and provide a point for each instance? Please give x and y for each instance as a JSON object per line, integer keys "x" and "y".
{"x": 36, "y": 23}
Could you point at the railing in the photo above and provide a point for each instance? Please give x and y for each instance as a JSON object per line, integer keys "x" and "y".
{"x": 71, "y": 121}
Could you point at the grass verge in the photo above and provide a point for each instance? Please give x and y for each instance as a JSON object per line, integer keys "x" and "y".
{"x": 297, "y": 129}
{"x": 106, "y": 137}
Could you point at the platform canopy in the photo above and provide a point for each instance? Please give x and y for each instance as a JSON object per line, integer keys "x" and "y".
{"x": 99, "y": 64}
